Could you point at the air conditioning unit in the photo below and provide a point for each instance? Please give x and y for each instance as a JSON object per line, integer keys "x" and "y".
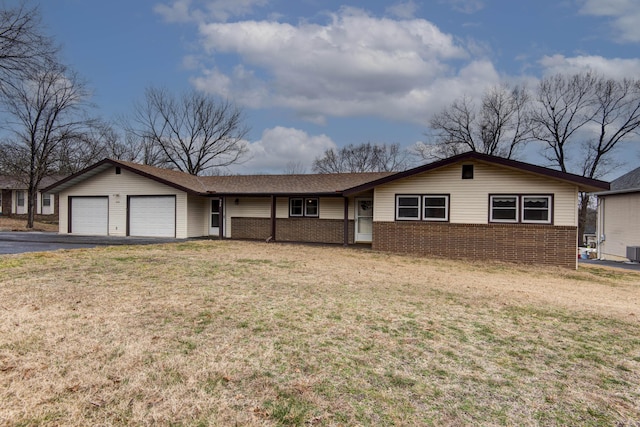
{"x": 633, "y": 253}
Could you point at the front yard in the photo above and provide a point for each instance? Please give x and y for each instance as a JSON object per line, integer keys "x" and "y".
{"x": 254, "y": 334}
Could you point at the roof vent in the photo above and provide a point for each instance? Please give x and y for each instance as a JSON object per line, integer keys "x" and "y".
{"x": 467, "y": 171}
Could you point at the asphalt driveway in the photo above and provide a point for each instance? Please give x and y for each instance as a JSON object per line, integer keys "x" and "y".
{"x": 20, "y": 242}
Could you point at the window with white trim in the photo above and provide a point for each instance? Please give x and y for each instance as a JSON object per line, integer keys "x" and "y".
{"x": 301, "y": 207}
{"x": 536, "y": 209}
{"x": 408, "y": 208}
{"x": 435, "y": 208}
{"x": 296, "y": 207}
{"x": 20, "y": 197}
{"x": 504, "y": 208}
{"x": 46, "y": 200}
{"x": 311, "y": 207}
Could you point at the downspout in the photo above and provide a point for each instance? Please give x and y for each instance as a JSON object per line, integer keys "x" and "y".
{"x": 273, "y": 219}
{"x": 346, "y": 222}
{"x": 600, "y": 229}
{"x": 222, "y": 209}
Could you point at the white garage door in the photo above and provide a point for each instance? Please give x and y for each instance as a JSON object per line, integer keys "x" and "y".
{"x": 90, "y": 215}
{"x": 152, "y": 216}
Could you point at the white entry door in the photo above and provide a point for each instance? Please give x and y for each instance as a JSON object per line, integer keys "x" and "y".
{"x": 214, "y": 218}
{"x": 364, "y": 220}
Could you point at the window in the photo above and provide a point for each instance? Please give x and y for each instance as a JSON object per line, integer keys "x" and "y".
{"x": 408, "y": 207}
{"x": 310, "y": 207}
{"x": 504, "y": 209}
{"x": 46, "y": 200}
{"x": 20, "y": 196}
{"x": 436, "y": 208}
{"x": 215, "y": 213}
{"x": 467, "y": 171}
{"x": 536, "y": 209}
{"x": 295, "y": 207}
{"x": 303, "y": 207}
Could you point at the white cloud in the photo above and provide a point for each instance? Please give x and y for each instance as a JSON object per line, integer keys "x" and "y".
{"x": 280, "y": 147}
{"x": 355, "y": 64}
{"x": 610, "y": 67}
{"x": 625, "y": 16}
{"x": 403, "y": 10}
{"x": 201, "y": 10}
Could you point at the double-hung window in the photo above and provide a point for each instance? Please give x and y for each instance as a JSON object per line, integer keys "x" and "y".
{"x": 301, "y": 207}
{"x": 426, "y": 207}
{"x": 408, "y": 208}
{"x": 534, "y": 209}
{"x": 504, "y": 208}
{"x": 435, "y": 208}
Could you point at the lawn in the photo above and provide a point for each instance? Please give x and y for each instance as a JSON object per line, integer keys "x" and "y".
{"x": 230, "y": 333}
{"x": 20, "y": 224}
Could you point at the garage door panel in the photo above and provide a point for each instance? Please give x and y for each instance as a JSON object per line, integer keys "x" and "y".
{"x": 90, "y": 215}
{"x": 152, "y": 216}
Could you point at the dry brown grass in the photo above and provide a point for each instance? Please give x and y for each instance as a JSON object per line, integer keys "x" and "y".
{"x": 19, "y": 224}
{"x": 239, "y": 333}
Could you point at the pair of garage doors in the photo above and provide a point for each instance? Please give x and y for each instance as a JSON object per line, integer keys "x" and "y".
{"x": 147, "y": 216}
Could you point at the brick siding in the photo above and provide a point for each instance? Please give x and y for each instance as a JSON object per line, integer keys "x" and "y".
{"x": 292, "y": 229}
{"x": 532, "y": 244}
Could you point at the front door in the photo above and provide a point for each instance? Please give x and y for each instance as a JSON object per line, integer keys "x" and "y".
{"x": 214, "y": 220}
{"x": 364, "y": 220}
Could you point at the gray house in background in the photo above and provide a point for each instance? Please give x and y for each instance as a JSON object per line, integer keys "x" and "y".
{"x": 618, "y": 224}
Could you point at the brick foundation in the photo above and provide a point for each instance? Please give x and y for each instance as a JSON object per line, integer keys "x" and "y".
{"x": 292, "y": 229}
{"x": 531, "y": 244}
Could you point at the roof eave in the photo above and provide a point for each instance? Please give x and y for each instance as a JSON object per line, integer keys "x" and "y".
{"x": 100, "y": 167}
{"x": 584, "y": 184}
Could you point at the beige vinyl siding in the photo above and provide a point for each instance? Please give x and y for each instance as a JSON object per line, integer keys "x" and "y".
{"x": 246, "y": 207}
{"x": 260, "y": 207}
{"x": 619, "y": 213}
{"x": 469, "y": 198}
{"x": 198, "y": 209}
{"x": 117, "y": 188}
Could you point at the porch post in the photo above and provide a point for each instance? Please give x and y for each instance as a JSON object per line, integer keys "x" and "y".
{"x": 221, "y": 216}
{"x": 346, "y": 222}
{"x": 273, "y": 217}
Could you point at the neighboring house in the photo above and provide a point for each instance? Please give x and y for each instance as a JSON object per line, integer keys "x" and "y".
{"x": 619, "y": 219}
{"x": 468, "y": 206}
{"x": 14, "y": 194}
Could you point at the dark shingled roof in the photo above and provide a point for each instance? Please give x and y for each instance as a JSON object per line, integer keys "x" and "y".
{"x": 234, "y": 184}
{"x": 344, "y": 184}
{"x": 13, "y": 183}
{"x": 627, "y": 181}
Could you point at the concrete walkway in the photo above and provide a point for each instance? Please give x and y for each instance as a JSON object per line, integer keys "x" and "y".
{"x": 615, "y": 264}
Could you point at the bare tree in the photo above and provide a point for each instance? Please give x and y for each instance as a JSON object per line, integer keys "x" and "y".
{"x": 194, "y": 131}
{"x": 365, "y": 157}
{"x": 23, "y": 47}
{"x": 44, "y": 111}
{"x": 295, "y": 168}
{"x": 500, "y": 126}
{"x": 583, "y": 119}
{"x": 564, "y": 106}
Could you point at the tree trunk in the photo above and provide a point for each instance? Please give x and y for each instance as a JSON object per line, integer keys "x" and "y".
{"x": 31, "y": 206}
{"x": 583, "y": 213}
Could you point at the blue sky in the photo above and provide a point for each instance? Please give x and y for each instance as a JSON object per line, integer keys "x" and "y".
{"x": 314, "y": 74}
